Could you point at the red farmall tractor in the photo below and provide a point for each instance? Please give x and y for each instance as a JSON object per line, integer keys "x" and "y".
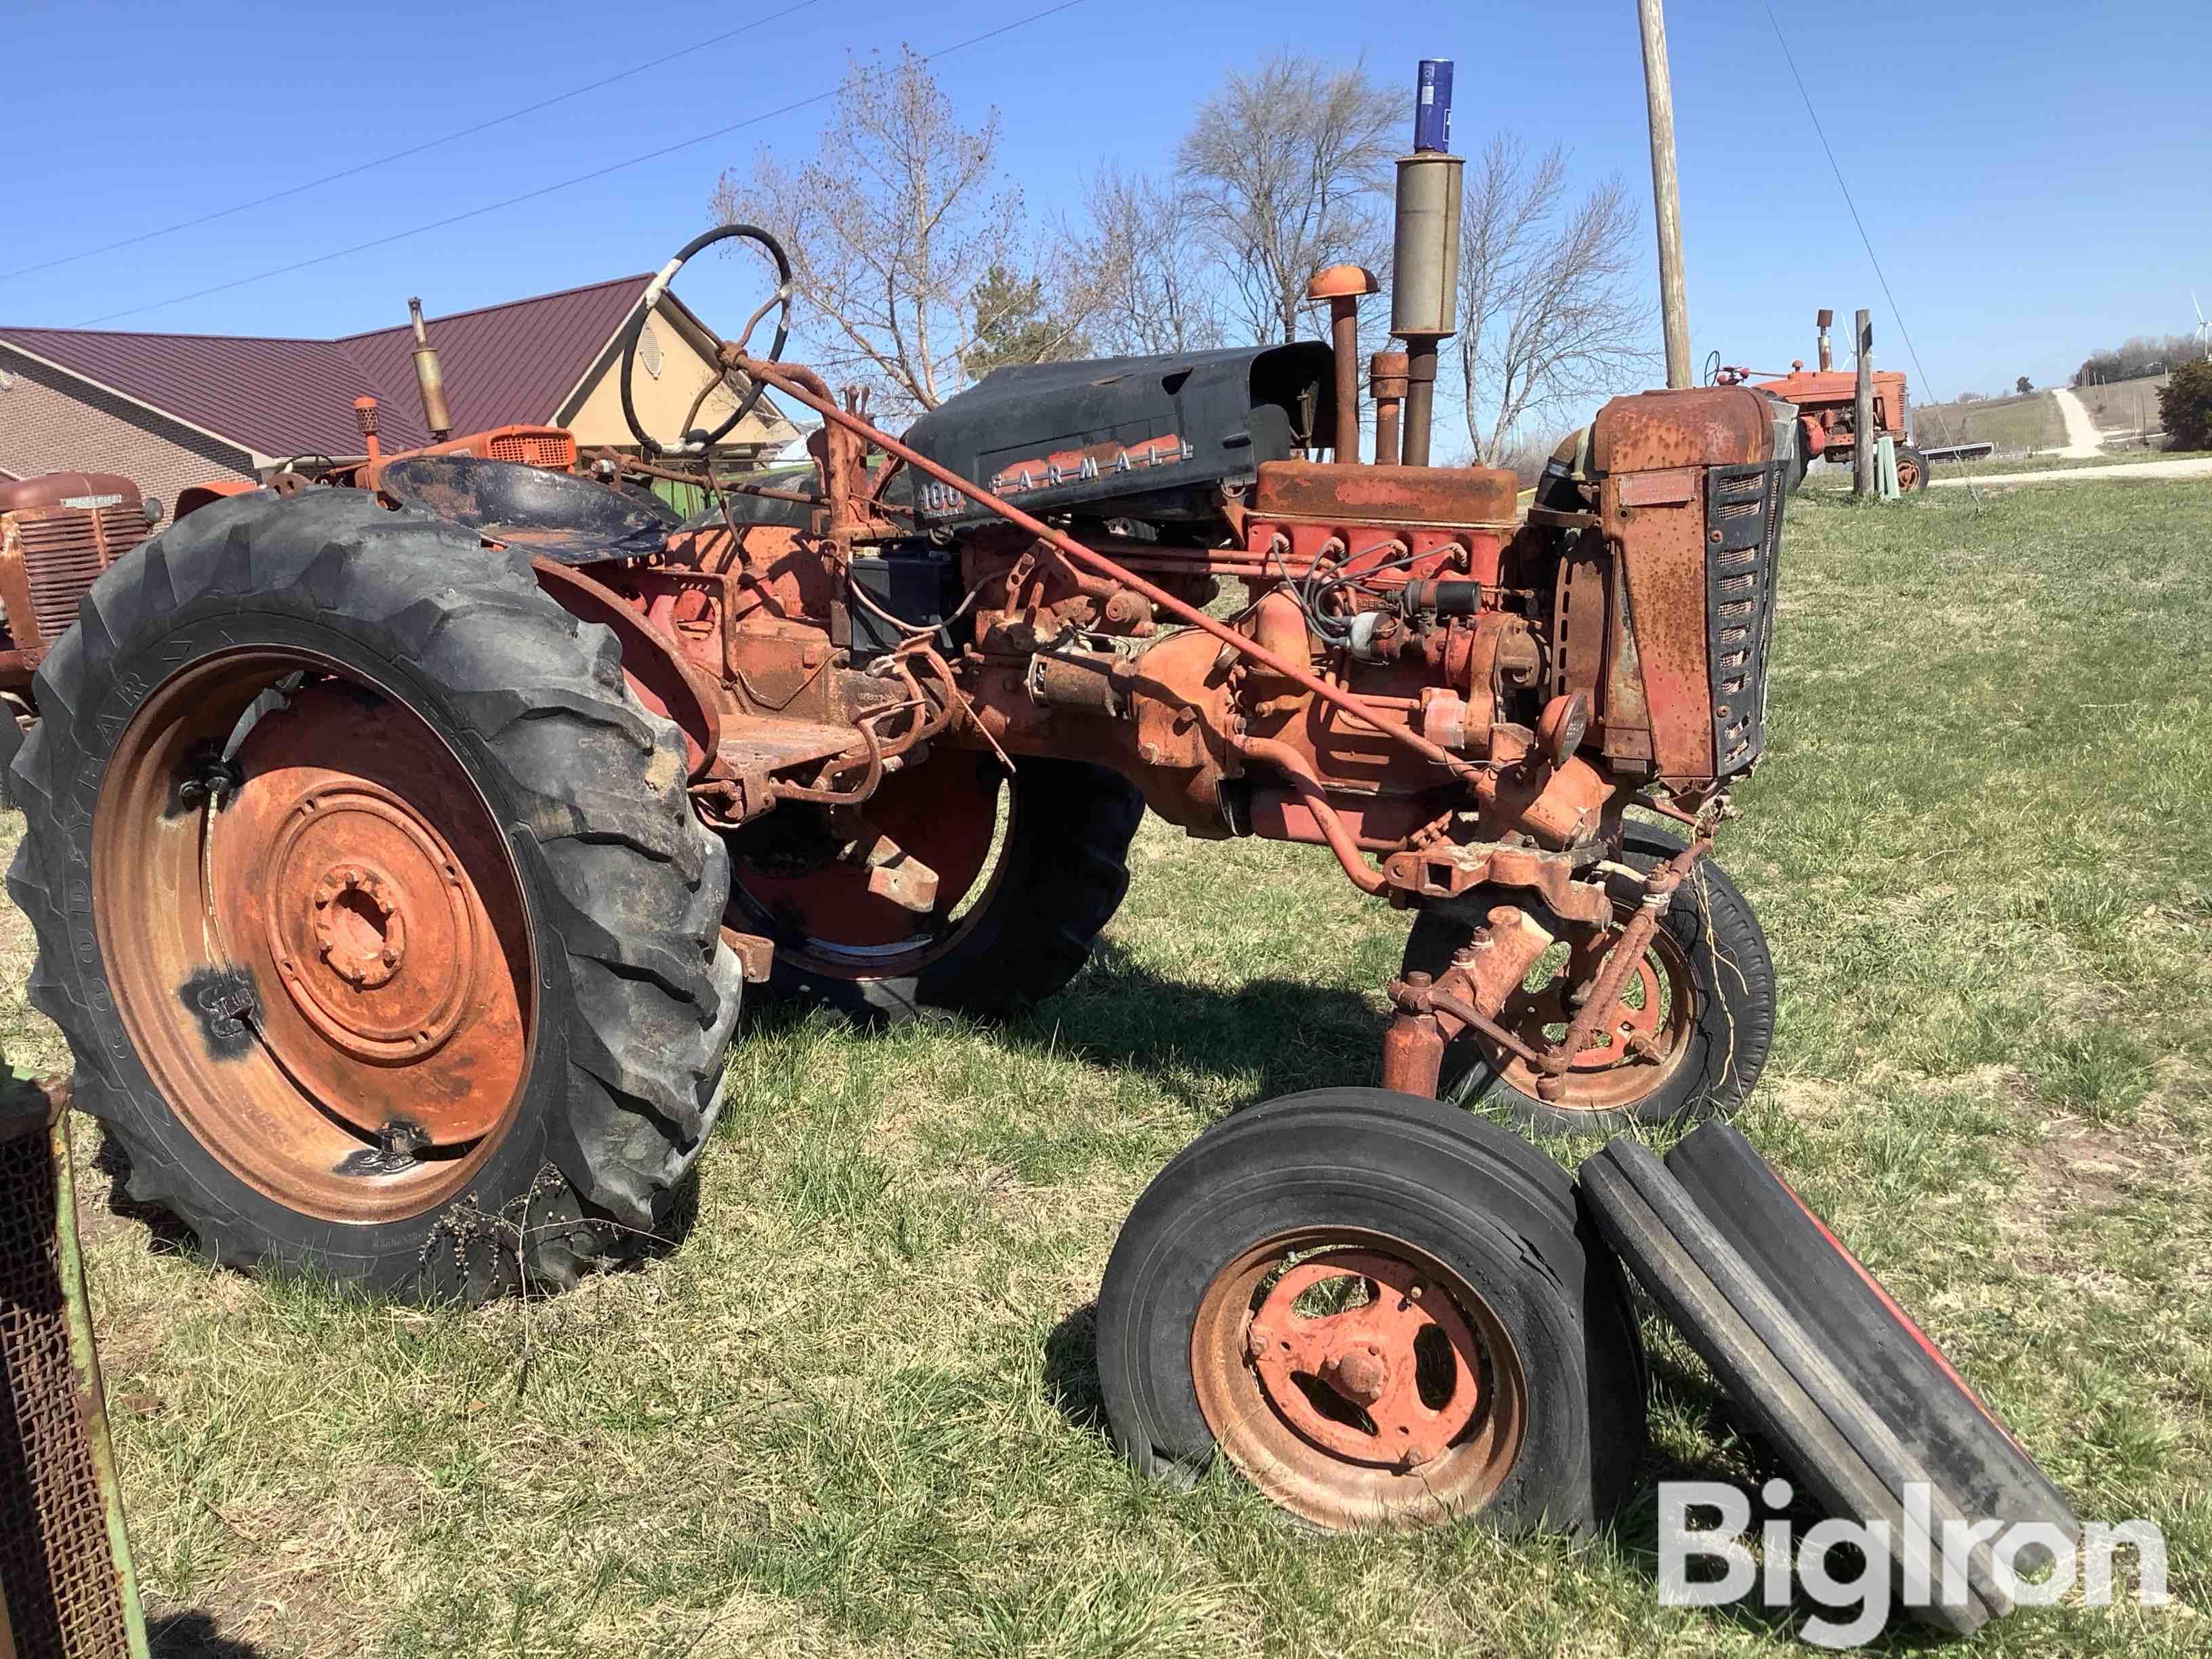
{"x": 1826, "y": 401}
{"x": 400, "y": 849}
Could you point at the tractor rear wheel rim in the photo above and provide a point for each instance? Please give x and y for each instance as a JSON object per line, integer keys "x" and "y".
{"x": 1357, "y": 1381}
{"x": 1632, "y": 1055}
{"x": 948, "y": 814}
{"x": 316, "y": 934}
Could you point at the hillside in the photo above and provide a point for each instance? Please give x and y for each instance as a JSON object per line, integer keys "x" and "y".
{"x": 2128, "y": 407}
{"x": 2017, "y": 426}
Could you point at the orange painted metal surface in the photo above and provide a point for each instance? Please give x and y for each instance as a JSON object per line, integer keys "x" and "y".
{"x": 1357, "y": 1381}
{"x": 58, "y": 532}
{"x": 1447, "y": 698}
{"x": 372, "y": 995}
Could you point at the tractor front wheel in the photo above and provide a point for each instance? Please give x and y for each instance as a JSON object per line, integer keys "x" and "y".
{"x": 384, "y": 937}
{"x": 1384, "y": 1313}
{"x": 1693, "y": 1025}
{"x": 1911, "y": 470}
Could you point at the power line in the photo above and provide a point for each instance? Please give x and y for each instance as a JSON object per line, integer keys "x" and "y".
{"x": 412, "y": 149}
{"x": 565, "y": 184}
{"x": 1903, "y": 333}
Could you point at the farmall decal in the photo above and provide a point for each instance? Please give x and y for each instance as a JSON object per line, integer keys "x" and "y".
{"x": 1067, "y": 466}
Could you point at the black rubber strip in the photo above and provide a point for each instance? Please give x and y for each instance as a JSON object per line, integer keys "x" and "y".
{"x": 1874, "y": 1342}
{"x": 1791, "y": 1390}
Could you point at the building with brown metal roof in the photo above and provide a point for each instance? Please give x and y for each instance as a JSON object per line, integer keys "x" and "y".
{"x": 172, "y": 410}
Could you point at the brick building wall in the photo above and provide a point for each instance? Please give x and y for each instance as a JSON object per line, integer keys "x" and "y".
{"x": 52, "y": 423}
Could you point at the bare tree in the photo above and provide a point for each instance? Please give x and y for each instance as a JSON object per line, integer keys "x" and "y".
{"x": 1549, "y": 310}
{"x": 1133, "y": 272}
{"x": 891, "y": 226}
{"x": 1289, "y": 165}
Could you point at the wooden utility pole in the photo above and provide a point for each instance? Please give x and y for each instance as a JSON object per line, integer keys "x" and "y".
{"x": 1666, "y": 192}
{"x": 1863, "y": 435}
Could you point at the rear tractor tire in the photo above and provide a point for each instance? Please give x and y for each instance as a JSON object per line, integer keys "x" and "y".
{"x": 1030, "y": 869}
{"x": 372, "y": 905}
{"x": 1384, "y": 1313}
{"x": 1701, "y": 1004}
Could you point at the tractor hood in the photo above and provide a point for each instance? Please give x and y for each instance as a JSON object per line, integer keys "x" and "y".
{"x": 1151, "y": 438}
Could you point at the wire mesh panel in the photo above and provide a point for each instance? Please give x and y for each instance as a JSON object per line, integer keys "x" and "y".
{"x": 64, "y": 1568}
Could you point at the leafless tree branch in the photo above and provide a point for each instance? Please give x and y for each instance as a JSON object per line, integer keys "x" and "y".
{"x": 891, "y": 226}
{"x": 1289, "y": 166}
{"x": 1549, "y": 310}
{"x": 1132, "y": 274}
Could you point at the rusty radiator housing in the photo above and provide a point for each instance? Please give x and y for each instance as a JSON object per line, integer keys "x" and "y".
{"x": 56, "y": 534}
{"x": 1691, "y": 489}
{"x": 65, "y": 1580}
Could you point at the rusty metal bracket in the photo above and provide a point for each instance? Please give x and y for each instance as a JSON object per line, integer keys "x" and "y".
{"x": 1659, "y": 889}
{"x": 1448, "y": 869}
{"x": 755, "y": 950}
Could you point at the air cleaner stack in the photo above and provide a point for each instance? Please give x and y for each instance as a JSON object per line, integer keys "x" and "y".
{"x": 1425, "y": 277}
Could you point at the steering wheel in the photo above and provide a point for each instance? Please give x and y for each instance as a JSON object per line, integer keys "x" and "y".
{"x": 657, "y": 290}
{"x": 1712, "y": 368}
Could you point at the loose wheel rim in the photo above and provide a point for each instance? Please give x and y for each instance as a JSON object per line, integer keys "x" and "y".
{"x": 947, "y": 814}
{"x": 1631, "y": 1056}
{"x": 1404, "y": 1407}
{"x": 325, "y": 964}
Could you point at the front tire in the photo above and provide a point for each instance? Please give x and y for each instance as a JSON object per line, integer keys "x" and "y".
{"x": 1471, "y": 1351}
{"x": 1707, "y": 1001}
{"x": 383, "y": 935}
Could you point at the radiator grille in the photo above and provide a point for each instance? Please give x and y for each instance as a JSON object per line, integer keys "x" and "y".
{"x": 1743, "y": 509}
{"x": 64, "y": 549}
{"x": 65, "y": 1589}
{"x": 557, "y": 451}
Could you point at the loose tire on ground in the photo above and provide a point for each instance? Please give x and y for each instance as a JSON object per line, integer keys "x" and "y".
{"x": 1062, "y": 870}
{"x": 1709, "y": 949}
{"x": 1783, "y": 1375}
{"x": 1874, "y": 1342}
{"x": 1541, "y": 1415}
{"x": 523, "y": 834}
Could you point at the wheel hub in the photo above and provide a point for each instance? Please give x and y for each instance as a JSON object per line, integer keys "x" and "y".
{"x": 826, "y": 912}
{"x": 366, "y": 920}
{"x": 1633, "y": 1051}
{"x": 361, "y": 927}
{"x": 1368, "y": 1358}
{"x": 1357, "y": 1380}
{"x": 321, "y": 944}
{"x": 335, "y": 877}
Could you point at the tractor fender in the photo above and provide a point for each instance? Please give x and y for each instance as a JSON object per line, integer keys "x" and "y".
{"x": 193, "y": 497}
{"x": 659, "y": 675}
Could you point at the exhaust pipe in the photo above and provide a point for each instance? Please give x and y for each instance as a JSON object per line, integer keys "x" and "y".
{"x": 1425, "y": 296}
{"x": 428, "y": 379}
{"x": 1828, "y": 354}
{"x": 1386, "y": 382}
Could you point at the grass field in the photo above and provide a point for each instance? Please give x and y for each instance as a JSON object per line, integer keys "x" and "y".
{"x": 856, "y": 1413}
{"x": 2015, "y": 425}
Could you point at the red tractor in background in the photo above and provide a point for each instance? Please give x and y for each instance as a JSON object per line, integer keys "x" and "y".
{"x": 402, "y": 841}
{"x": 58, "y": 532}
{"x": 1827, "y": 400}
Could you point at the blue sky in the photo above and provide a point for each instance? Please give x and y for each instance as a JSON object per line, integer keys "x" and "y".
{"x": 2034, "y": 176}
